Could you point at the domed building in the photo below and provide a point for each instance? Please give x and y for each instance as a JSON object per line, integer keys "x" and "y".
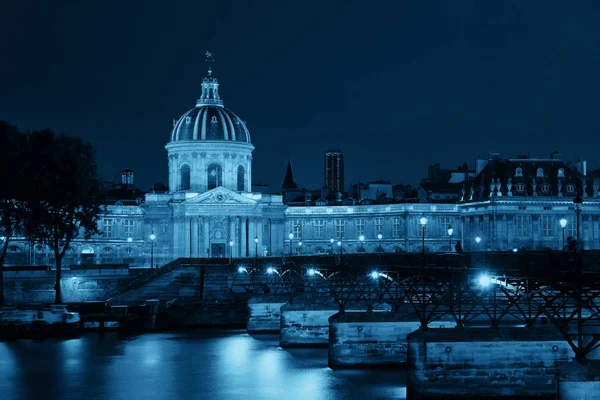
{"x": 210, "y": 210}
{"x": 209, "y": 146}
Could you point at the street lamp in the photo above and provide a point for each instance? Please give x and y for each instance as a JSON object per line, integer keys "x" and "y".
{"x": 380, "y": 249}
{"x": 231, "y": 251}
{"x": 129, "y": 240}
{"x": 563, "y": 224}
{"x": 331, "y": 245}
{"x": 256, "y": 247}
{"x": 577, "y": 201}
{"x": 291, "y": 236}
{"x": 152, "y": 239}
{"x": 300, "y": 247}
{"x": 450, "y": 231}
{"x": 478, "y": 240}
{"x": 423, "y": 222}
{"x": 361, "y": 240}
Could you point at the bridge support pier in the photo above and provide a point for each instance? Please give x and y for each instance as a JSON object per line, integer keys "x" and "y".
{"x": 482, "y": 362}
{"x": 305, "y": 323}
{"x": 579, "y": 382}
{"x": 264, "y": 313}
{"x": 372, "y": 339}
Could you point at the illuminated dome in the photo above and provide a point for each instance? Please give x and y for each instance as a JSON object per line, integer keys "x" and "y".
{"x": 209, "y": 120}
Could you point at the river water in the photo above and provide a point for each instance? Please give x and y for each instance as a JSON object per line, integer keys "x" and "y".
{"x": 220, "y": 365}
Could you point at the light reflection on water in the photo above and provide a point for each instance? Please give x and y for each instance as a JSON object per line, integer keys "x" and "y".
{"x": 226, "y": 365}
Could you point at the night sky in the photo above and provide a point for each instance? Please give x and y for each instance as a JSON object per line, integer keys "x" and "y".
{"x": 396, "y": 85}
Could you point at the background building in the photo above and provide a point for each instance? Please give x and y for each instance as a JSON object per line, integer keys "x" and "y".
{"x": 334, "y": 171}
{"x": 210, "y": 210}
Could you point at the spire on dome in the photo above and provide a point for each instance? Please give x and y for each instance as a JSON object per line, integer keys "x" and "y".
{"x": 288, "y": 181}
{"x": 210, "y": 86}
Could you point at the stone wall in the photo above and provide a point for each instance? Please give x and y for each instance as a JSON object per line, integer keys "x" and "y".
{"x": 305, "y": 323}
{"x": 485, "y": 362}
{"x": 372, "y": 339}
{"x": 39, "y": 287}
{"x": 264, "y": 313}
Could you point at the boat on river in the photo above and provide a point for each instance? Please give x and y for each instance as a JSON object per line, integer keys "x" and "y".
{"x": 48, "y": 321}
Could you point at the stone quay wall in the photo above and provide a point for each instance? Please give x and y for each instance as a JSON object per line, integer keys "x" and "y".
{"x": 485, "y": 362}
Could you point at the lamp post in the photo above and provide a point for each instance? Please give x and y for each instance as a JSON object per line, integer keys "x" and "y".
{"x": 577, "y": 201}
{"x": 339, "y": 243}
{"x": 291, "y": 236}
{"x": 300, "y": 247}
{"x": 450, "y": 232}
{"x": 379, "y": 249}
{"x": 477, "y": 240}
{"x": 152, "y": 239}
{"x": 361, "y": 240}
{"x": 231, "y": 251}
{"x": 129, "y": 240}
{"x": 331, "y": 246}
{"x": 2, "y": 240}
{"x": 563, "y": 224}
{"x": 256, "y": 247}
{"x": 423, "y": 222}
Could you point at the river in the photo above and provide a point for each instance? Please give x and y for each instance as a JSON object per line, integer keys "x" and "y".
{"x": 220, "y": 365}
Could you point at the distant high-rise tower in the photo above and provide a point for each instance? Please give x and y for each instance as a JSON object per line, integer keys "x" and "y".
{"x": 334, "y": 171}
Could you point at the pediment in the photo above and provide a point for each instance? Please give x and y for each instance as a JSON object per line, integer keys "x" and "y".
{"x": 220, "y": 196}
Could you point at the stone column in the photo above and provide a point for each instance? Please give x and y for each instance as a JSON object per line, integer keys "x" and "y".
{"x": 244, "y": 238}
{"x": 231, "y": 236}
{"x": 206, "y": 237}
{"x": 194, "y": 236}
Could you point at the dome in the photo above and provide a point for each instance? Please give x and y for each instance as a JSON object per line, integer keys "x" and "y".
{"x": 209, "y": 120}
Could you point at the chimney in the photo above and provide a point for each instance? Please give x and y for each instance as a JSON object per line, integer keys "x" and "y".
{"x": 582, "y": 167}
{"x": 307, "y": 197}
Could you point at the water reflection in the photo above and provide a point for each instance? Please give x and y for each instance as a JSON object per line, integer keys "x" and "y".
{"x": 191, "y": 365}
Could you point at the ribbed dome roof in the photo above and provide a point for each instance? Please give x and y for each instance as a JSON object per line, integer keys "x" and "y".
{"x": 209, "y": 120}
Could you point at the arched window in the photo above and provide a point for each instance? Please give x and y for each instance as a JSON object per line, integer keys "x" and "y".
{"x": 561, "y": 173}
{"x": 519, "y": 172}
{"x": 241, "y": 178}
{"x": 540, "y": 172}
{"x": 215, "y": 176}
{"x": 185, "y": 177}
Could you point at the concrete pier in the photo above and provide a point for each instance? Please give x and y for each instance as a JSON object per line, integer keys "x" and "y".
{"x": 579, "y": 382}
{"x": 264, "y": 313}
{"x": 305, "y": 322}
{"x": 372, "y": 339}
{"x": 485, "y": 362}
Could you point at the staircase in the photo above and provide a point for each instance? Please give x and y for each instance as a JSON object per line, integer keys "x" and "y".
{"x": 183, "y": 279}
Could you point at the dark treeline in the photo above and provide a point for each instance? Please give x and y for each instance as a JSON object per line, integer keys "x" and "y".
{"x": 50, "y": 192}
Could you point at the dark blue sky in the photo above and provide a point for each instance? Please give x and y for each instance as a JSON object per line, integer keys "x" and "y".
{"x": 395, "y": 84}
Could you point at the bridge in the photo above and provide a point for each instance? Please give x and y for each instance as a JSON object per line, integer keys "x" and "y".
{"x": 526, "y": 299}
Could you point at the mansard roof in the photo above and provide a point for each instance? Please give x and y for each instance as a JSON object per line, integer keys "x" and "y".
{"x": 524, "y": 177}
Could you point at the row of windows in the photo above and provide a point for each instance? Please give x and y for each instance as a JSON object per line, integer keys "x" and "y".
{"x": 520, "y": 187}
{"x": 108, "y": 231}
{"x": 340, "y": 224}
{"x": 214, "y": 177}
{"x": 540, "y": 172}
{"x": 547, "y": 223}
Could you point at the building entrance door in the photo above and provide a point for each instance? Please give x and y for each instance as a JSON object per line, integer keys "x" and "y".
{"x": 217, "y": 250}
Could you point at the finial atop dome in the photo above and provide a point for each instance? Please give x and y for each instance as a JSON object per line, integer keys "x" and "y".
{"x": 210, "y": 86}
{"x": 209, "y": 58}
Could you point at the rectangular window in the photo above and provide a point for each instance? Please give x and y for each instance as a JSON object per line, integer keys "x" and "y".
{"x": 396, "y": 227}
{"x": 571, "y": 229}
{"x": 378, "y": 226}
{"x": 339, "y": 228}
{"x": 445, "y": 222}
{"x": 297, "y": 225}
{"x": 360, "y": 227}
{"x": 107, "y": 225}
{"x": 266, "y": 227}
{"x": 129, "y": 228}
{"x": 546, "y": 222}
{"x": 164, "y": 226}
{"x": 522, "y": 225}
{"x": 319, "y": 228}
